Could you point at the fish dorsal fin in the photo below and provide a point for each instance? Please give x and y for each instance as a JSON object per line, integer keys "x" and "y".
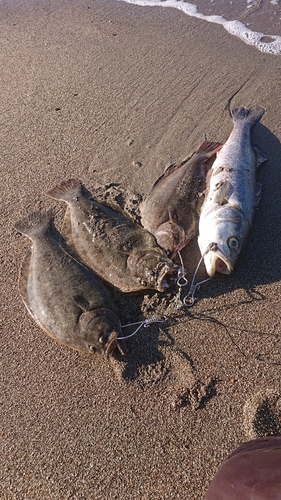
{"x": 221, "y": 192}
{"x": 66, "y": 228}
{"x": 169, "y": 171}
{"x": 206, "y": 148}
{"x": 66, "y": 241}
{"x": 260, "y": 156}
{"x": 81, "y": 302}
{"x": 24, "y": 276}
{"x": 23, "y": 282}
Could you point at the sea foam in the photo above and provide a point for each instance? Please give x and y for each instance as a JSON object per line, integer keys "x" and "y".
{"x": 235, "y": 28}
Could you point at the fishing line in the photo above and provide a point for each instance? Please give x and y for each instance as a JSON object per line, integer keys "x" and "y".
{"x": 190, "y": 296}
{"x": 194, "y": 287}
{"x": 145, "y": 323}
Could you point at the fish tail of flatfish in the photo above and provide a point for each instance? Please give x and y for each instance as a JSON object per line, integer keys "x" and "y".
{"x": 247, "y": 115}
{"x": 35, "y": 224}
{"x": 66, "y": 190}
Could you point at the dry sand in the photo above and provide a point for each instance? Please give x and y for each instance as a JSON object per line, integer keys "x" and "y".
{"x": 112, "y": 94}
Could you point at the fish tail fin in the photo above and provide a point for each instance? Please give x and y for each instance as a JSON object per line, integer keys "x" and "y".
{"x": 248, "y": 115}
{"x": 34, "y": 224}
{"x": 66, "y": 191}
{"x": 209, "y": 148}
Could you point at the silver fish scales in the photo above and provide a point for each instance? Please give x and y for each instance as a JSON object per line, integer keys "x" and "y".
{"x": 232, "y": 195}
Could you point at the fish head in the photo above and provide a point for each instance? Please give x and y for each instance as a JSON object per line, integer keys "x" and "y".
{"x": 98, "y": 332}
{"x": 153, "y": 268}
{"x": 221, "y": 241}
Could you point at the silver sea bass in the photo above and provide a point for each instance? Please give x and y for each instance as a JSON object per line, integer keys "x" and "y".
{"x": 232, "y": 197}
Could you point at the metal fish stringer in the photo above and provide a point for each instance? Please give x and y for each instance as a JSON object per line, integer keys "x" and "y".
{"x": 146, "y": 323}
{"x": 181, "y": 282}
{"x": 189, "y": 299}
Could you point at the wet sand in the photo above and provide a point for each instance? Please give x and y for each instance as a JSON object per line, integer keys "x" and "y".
{"x": 112, "y": 94}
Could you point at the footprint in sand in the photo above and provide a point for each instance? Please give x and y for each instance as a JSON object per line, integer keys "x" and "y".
{"x": 177, "y": 379}
{"x": 262, "y": 414}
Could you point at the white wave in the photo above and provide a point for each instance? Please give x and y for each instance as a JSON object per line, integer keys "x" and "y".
{"x": 235, "y": 28}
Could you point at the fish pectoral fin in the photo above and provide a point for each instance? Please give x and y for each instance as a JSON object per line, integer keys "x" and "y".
{"x": 221, "y": 192}
{"x": 81, "y": 302}
{"x": 260, "y": 156}
{"x": 173, "y": 215}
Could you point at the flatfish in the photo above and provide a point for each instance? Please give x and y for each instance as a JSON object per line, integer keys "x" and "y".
{"x": 171, "y": 209}
{"x": 116, "y": 248}
{"x": 67, "y": 300}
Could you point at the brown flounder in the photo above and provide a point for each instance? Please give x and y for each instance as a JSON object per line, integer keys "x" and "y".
{"x": 65, "y": 299}
{"x": 171, "y": 209}
{"x": 116, "y": 248}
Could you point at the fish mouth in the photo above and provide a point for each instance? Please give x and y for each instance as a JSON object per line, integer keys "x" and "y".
{"x": 113, "y": 345}
{"x": 216, "y": 261}
{"x": 167, "y": 276}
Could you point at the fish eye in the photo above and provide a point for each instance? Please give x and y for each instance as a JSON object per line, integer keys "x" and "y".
{"x": 233, "y": 243}
{"x": 92, "y": 348}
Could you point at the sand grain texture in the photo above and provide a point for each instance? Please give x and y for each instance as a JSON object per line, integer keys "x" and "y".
{"x": 112, "y": 94}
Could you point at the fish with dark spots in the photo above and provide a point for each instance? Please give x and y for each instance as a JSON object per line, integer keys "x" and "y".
{"x": 67, "y": 300}
{"x": 251, "y": 472}
{"x": 170, "y": 211}
{"x": 232, "y": 195}
{"x": 119, "y": 250}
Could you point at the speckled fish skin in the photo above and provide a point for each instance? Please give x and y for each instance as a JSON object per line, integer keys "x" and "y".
{"x": 66, "y": 299}
{"x": 232, "y": 196}
{"x": 171, "y": 209}
{"x": 251, "y": 472}
{"x": 117, "y": 249}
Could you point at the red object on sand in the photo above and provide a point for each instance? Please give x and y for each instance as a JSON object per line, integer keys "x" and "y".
{"x": 251, "y": 472}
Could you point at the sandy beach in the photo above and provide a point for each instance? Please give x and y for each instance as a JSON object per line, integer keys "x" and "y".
{"x": 112, "y": 94}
